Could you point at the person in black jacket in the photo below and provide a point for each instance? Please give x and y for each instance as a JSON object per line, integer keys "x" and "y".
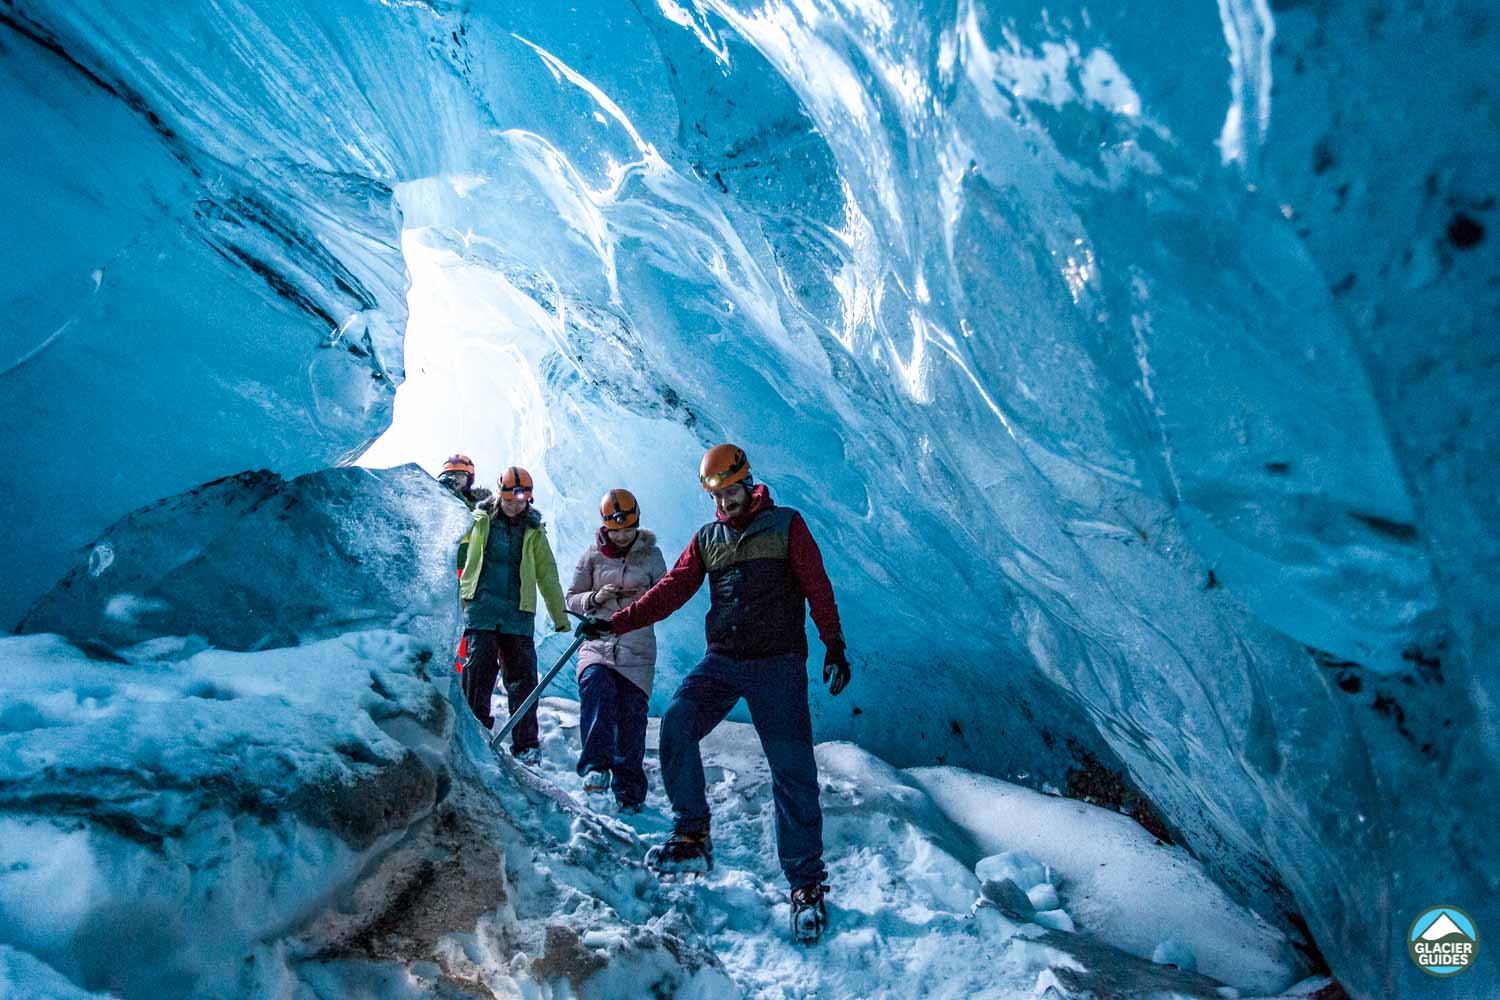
{"x": 458, "y": 476}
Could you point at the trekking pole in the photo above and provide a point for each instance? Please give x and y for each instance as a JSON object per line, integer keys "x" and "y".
{"x": 535, "y": 696}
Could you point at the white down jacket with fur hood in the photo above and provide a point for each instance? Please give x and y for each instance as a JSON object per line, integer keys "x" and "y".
{"x": 634, "y": 653}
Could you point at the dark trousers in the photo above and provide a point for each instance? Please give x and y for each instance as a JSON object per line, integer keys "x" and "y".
{"x": 775, "y": 689}
{"x": 612, "y": 717}
{"x": 488, "y": 652}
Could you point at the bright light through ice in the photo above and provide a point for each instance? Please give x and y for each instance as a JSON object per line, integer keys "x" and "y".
{"x": 469, "y": 386}
{"x": 475, "y": 348}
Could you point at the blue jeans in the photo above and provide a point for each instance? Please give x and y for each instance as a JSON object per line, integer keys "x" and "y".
{"x": 612, "y": 720}
{"x": 775, "y": 689}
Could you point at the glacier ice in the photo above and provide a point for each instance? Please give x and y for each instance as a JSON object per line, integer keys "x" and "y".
{"x": 254, "y": 561}
{"x": 23, "y": 974}
{"x": 160, "y": 817}
{"x": 277, "y": 331}
{"x": 1174, "y": 952}
{"x": 1143, "y": 405}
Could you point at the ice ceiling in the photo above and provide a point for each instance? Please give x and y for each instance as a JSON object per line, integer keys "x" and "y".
{"x": 1134, "y": 363}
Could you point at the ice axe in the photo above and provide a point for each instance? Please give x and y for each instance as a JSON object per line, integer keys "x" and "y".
{"x": 536, "y": 695}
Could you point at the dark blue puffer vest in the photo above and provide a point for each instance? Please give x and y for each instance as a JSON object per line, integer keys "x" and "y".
{"x": 757, "y": 608}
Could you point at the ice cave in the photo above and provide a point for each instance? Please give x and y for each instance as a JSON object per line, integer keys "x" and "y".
{"x": 1135, "y": 367}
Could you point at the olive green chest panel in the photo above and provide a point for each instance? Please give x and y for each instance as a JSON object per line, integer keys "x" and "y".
{"x": 765, "y": 539}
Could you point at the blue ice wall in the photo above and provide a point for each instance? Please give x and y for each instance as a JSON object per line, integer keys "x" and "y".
{"x": 182, "y": 296}
{"x": 1133, "y": 363}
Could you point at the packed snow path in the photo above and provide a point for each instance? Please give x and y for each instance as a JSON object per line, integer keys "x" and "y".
{"x": 309, "y": 822}
{"x": 902, "y": 915}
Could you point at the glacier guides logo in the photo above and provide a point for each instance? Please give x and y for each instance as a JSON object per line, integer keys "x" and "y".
{"x": 1443, "y": 941}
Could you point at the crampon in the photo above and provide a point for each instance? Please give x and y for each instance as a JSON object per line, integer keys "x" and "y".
{"x": 682, "y": 853}
{"x": 809, "y": 914}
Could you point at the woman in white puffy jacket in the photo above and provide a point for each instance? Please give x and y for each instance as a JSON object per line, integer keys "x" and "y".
{"x": 615, "y": 672}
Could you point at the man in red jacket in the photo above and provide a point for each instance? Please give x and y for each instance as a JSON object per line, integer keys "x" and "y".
{"x": 763, "y": 569}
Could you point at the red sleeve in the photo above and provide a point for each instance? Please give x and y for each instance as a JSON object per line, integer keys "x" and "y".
{"x": 666, "y": 595}
{"x": 812, "y": 579}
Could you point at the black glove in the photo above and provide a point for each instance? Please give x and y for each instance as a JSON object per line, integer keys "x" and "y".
{"x": 594, "y": 628}
{"x": 835, "y": 666}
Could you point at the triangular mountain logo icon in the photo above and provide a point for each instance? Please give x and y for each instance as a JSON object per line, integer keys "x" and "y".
{"x": 1446, "y": 943}
{"x": 1441, "y": 928}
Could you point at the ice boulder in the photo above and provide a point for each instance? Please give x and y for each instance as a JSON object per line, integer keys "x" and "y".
{"x": 1043, "y": 897}
{"x": 1017, "y": 866}
{"x": 1124, "y": 887}
{"x": 1020, "y": 885}
{"x": 1057, "y": 920}
{"x": 257, "y": 561}
{"x": 1175, "y": 952}
{"x": 159, "y": 818}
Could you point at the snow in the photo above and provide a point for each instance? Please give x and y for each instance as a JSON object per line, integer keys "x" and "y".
{"x": 275, "y": 798}
{"x": 1117, "y": 881}
{"x": 903, "y": 906}
{"x": 22, "y": 975}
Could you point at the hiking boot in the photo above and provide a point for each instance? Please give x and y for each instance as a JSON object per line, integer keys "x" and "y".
{"x": 683, "y": 852}
{"x": 596, "y": 782}
{"x": 627, "y": 808}
{"x": 809, "y": 914}
{"x": 530, "y": 757}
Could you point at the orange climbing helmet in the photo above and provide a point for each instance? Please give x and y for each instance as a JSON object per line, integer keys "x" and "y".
{"x": 619, "y": 510}
{"x": 724, "y": 465}
{"x": 460, "y": 463}
{"x": 515, "y": 484}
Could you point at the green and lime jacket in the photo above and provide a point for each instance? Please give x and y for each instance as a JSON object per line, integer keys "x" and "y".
{"x": 538, "y": 566}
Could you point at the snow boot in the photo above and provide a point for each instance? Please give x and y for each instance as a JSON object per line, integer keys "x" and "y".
{"x": 596, "y": 782}
{"x": 683, "y": 852}
{"x": 809, "y": 914}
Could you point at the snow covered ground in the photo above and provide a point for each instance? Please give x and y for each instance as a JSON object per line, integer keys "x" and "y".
{"x": 253, "y": 824}
{"x": 902, "y": 848}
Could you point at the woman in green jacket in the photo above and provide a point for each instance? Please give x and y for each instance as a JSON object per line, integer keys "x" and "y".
{"x": 505, "y": 560}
